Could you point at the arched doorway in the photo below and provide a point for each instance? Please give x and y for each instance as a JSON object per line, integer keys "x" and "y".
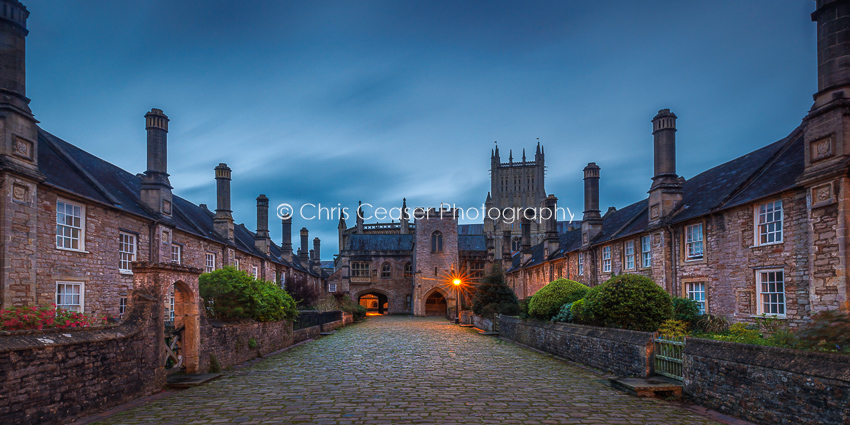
{"x": 375, "y": 303}
{"x": 186, "y": 326}
{"x": 435, "y": 305}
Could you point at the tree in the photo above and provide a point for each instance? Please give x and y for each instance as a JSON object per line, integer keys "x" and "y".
{"x": 493, "y": 296}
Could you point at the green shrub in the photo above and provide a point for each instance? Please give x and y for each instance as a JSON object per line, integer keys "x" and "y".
{"x": 828, "y": 331}
{"x": 252, "y": 343}
{"x": 686, "y": 310}
{"x": 523, "y": 308}
{"x": 673, "y": 328}
{"x": 230, "y": 294}
{"x": 629, "y": 301}
{"x": 493, "y": 295}
{"x": 564, "y": 314}
{"x": 711, "y": 324}
{"x": 215, "y": 366}
{"x": 547, "y": 302}
{"x": 577, "y": 311}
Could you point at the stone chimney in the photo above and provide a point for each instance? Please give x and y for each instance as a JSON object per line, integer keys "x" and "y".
{"x": 223, "y": 218}
{"x": 262, "y": 240}
{"x": 591, "y": 222}
{"x": 551, "y": 238}
{"x": 317, "y": 250}
{"x": 359, "y": 218}
{"x": 833, "y": 21}
{"x": 405, "y": 225}
{"x": 303, "y": 252}
{"x": 507, "y": 261}
{"x": 17, "y": 124}
{"x": 286, "y": 241}
{"x": 525, "y": 241}
{"x": 666, "y": 191}
{"x": 156, "y": 189}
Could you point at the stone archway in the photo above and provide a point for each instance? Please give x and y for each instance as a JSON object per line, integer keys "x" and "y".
{"x": 374, "y": 302}
{"x": 187, "y": 317}
{"x": 436, "y": 304}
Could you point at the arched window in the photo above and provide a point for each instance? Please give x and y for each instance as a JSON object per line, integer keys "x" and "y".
{"x": 386, "y": 271}
{"x": 408, "y": 269}
{"x": 436, "y": 241}
{"x": 515, "y": 244}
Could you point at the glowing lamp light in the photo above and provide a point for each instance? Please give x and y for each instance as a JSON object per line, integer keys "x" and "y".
{"x": 456, "y": 281}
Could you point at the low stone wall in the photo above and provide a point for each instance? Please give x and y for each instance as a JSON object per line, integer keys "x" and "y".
{"x": 466, "y": 317}
{"x": 768, "y": 384}
{"x": 347, "y": 318}
{"x": 51, "y": 377}
{"x": 304, "y": 334}
{"x": 483, "y": 323}
{"x": 618, "y": 351}
{"x": 230, "y": 343}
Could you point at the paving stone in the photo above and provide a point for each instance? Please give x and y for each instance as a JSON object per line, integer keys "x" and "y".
{"x": 399, "y": 369}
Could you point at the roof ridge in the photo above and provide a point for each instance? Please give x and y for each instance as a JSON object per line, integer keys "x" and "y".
{"x": 630, "y": 221}
{"x": 788, "y": 141}
{"x": 79, "y": 168}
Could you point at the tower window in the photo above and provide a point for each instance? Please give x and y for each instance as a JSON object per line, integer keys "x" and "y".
{"x": 436, "y": 241}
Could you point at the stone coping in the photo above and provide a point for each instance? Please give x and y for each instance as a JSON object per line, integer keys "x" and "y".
{"x": 824, "y": 365}
{"x": 39, "y": 339}
{"x": 611, "y": 334}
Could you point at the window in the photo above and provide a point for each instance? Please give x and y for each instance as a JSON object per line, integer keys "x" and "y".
{"x": 122, "y": 305}
{"x": 209, "y": 264}
{"x": 696, "y": 291}
{"x": 629, "y": 248}
{"x": 332, "y": 287}
{"x": 476, "y": 269}
{"x": 169, "y": 308}
{"x": 771, "y": 289}
{"x": 580, "y": 263}
{"x": 70, "y": 296}
{"x": 769, "y": 223}
{"x": 386, "y": 271}
{"x": 693, "y": 241}
{"x": 515, "y": 244}
{"x": 69, "y": 226}
{"x": 236, "y": 263}
{"x": 176, "y": 254}
{"x": 408, "y": 269}
{"x": 646, "y": 251}
{"x": 436, "y": 242}
{"x": 255, "y": 271}
{"x": 606, "y": 259}
{"x": 359, "y": 269}
{"x": 126, "y": 251}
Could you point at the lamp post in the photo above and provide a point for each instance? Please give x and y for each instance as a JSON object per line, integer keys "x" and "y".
{"x": 457, "y": 283}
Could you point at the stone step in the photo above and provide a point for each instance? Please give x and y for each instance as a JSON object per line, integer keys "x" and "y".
{"x": 654, "y": 386}
{"x": 188, "y": 381}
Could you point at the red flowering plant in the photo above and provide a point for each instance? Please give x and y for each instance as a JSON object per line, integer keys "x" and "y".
{"x": 45, "y": 317}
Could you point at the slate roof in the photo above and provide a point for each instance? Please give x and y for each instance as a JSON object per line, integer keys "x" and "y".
{"x": 470, "y": 229}
{"x": 759, "y": 174}
{"x": 76, "y": 171}
{"x": 381, "y": 242}
{"x": 471, "y": 243}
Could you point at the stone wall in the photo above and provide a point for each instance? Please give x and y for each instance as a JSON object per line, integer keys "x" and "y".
{"x": 52, "y": 377}
{"x": 483, "y": 323}
{"x": 230, "y": 343}
{"x": 768, "y": 384}
{"x": 618, "y": 351}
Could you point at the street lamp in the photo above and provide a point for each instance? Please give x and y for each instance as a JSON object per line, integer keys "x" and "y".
{"x": 457, "y": 283}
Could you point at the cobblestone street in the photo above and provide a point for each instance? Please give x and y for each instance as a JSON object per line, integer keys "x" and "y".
{"x": 407, "y": 370}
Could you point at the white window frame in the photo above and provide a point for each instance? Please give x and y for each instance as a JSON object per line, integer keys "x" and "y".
{"x": 646, "y": 251}
{"x": 768, "y": 300}
{"x": 255, "y": 271}
{"x": 177, "y": 249}
{"x": 629, "y": 254}
{"x": 389, "y": 271}
{"x": 81, "y": 229}
{"x": 127, "y": 250}
{"x": 62, "y": 302}
{"x": 209, "y": 262}
{"x": 122, "y": 306}
{"x": 606, "y": 259}
{"x": 580, "y": 263}
{"x": 362, "y": 269}
{"x": 698, "y": 294}
{"x": 332, "y": 287}
{"x": 765, "y": 218}
{"x": 236, "y": 263}
{"x": 694, "y": 248}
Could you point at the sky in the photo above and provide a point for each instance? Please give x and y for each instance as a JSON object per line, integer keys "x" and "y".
{"x": 335, "y": 102}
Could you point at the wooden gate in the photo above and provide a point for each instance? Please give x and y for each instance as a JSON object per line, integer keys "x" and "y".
{"x": 669, "y": 353}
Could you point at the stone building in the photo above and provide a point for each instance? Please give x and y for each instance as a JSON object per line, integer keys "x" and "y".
{"x": 765, "y": 233}
{"x": 73, "y": 224}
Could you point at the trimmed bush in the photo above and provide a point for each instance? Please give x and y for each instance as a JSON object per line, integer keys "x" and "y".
{"x": 577, "y": 311}
{"x": 628, "y": 301}
{"x": 231, "y": 295}
{"x": 493, "y": 295}
{"x": 547, "y": 302}
{"x": 523, "y": 308}
{"x": 686, "y": 310}
{"x": 564, "y": 315}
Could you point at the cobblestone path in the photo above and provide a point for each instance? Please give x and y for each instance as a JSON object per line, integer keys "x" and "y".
{"x": 407, "y": 370}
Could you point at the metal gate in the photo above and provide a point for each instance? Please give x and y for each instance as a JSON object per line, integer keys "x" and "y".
{"x": 669, "y": 352}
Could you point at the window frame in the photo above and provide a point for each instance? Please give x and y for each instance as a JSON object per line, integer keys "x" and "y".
{"x": 606, "y": 262}
{"x": 81, "y": 239}
{"x": 82, "y": 294}
{"x": 581, "y": 264}
{"x": 362, "y": 269}
{"x": 207, "y": 267}
{"x": 386, "y": 270}
{"x": 255, "y": 271}
{"x": 122, "y": 305}
{"x": 689, "y": 288}
{"x": 760, "y": 304}
{"x": 626, "y": 256}
{"x": 408, "y": 269}
{"x": 133, "y": 254}
{"x": 436, "y": 241}
{"x": 179, "y": 253}
{"x": 331, "y": 287}
{"x": 646, "y": 248}
{"x": 757, "y": 225}
{"x": 686, "y": 246}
